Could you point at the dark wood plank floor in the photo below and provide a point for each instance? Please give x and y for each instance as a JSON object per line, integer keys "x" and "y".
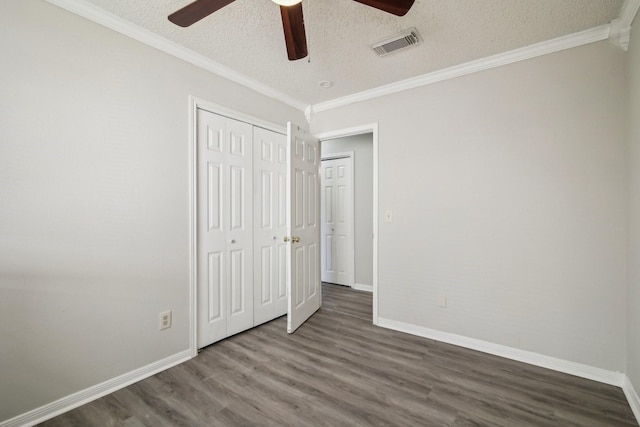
{"x": 339, "y": 370}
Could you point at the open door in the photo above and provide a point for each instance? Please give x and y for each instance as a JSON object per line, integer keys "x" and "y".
{"x": 303, "y": 231}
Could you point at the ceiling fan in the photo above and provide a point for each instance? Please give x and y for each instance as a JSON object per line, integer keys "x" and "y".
{"x": 292, "y": 19}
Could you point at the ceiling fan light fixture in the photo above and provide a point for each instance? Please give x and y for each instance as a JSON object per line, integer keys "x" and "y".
{"x": 286, "y": 2}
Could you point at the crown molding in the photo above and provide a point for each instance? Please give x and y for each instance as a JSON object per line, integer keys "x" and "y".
{"x": 109, "y": 20}
{"x": 555, "y": 45}
{"x": 620, "y": 33}
{"x": 628, "y": 12}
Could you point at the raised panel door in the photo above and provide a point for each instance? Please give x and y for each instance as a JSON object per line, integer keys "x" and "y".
{"x": 240, "y": 226}
{"x": 337, "y": 260}
{"x": 225, "y": 229}
{"x": 212, "y": 251}
{"x": 303, "y": 278}
{"x": 270, "y": 172}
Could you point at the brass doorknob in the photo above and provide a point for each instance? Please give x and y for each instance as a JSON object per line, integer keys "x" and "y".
{"x": 286, "y": 239}
{"x": 295, "y": 239}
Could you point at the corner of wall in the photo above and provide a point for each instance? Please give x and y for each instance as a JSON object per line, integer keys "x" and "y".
{"x": 633, "y": 222}
{"x": 632, "y": 397}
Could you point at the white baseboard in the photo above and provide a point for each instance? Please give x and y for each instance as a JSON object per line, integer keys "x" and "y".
{"x": 87, "y": 395}
{"x": 578, "y": 369}
{"x": 361, "y": 287}
{"x": 560, "y": 365}
{"x": 632, "y": 397}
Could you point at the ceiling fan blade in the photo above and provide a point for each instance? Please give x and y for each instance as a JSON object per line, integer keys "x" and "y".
{"x": 193, "y": 12}
{"x": 294, "y": 34}
{"x": 396, "y": 7}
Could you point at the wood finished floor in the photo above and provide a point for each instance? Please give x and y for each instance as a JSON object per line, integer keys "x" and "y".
{"x": 338, "y": 370}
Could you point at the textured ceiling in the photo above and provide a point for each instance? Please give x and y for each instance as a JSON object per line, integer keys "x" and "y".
{"x": 246, "y": 36}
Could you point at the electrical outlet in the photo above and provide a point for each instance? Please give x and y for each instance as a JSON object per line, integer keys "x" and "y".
{"x": 442, "y": 300}
{"x": 165, "y": 320}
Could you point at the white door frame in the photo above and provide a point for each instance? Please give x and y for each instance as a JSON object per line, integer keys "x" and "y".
{"x": 352, "y": 247}
{"x": 358, "y": 130}
{"x": 195, "y": 104}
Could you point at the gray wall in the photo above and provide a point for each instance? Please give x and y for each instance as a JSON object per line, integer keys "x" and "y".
{"x": 508, "y": 187}
{"x": 94, "y": 209}
{"x": 509, "y": 194}
{"x": 362, "y": 146}
{"x": 633, "y": 300}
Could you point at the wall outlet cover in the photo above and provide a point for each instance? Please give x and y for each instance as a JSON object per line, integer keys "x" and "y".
{"x": 165, "y": 320}
{"x": 442, "y": 300}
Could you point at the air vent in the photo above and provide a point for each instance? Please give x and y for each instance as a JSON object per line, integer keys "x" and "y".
{"x": 396, "y": 42}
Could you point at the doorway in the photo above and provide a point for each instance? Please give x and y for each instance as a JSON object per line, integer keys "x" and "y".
{"x": 363, "y": 142}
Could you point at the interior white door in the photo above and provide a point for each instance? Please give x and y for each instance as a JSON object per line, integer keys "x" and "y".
{"x": 270, "y": 225}
{"x": 303, "y": 212}
{"x": 240, "y": 226}
{"x": 225, "y": 291}
{"x": 337, "y": 260}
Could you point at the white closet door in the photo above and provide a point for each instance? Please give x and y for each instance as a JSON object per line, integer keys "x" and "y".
{"x": 225, "y": 255}
{"x": 270, "y": 225}
{"x": 240, "y": 226}
{"x": 212, "y": 247}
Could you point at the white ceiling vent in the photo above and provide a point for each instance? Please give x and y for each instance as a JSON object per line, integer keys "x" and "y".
{"x": 402, "y": 40}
